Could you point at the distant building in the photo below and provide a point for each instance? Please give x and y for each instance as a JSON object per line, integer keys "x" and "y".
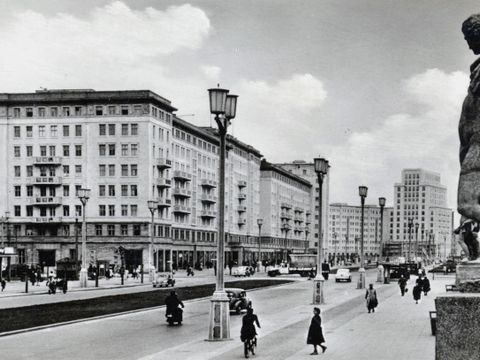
{"x": 420, "y": 200}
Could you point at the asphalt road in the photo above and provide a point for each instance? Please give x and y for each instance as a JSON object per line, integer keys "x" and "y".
{"x": 284, "y": 311}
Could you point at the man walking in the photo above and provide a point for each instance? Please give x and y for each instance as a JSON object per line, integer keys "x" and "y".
{"x": 402, "y": 282}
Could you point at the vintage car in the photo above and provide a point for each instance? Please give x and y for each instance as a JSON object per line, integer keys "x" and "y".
{"x": 238, "y": 299}
{"x": 163, "y": 280}
{"x": 343, "y": 275}
{"x": 241, "y": 271}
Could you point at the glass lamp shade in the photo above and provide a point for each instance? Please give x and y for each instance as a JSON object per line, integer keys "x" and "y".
{"x": 381, "y": 201}
{"x": 84, "y": 193}
{"x": 321, "y": 165}
{"x": 259, "y": 222}
{"x": 152, "y": 204}
{"x": 218, "y": 99}
{"x": 231, "y": 106}
{"x": 362, "y": 191}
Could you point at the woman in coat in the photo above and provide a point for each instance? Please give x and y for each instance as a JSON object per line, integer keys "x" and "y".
{"x": 417, "y": 293}
{"x": 426, "y": 285}
{"x": 315, "y": 333}
{"x": 371, "y": 297}
{"x": 248, "y": 331}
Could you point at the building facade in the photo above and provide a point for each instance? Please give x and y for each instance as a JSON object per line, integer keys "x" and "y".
{"x": 344, "y": 226}
{"x": 285, "y": 207}
{"x": 422, "y": 223}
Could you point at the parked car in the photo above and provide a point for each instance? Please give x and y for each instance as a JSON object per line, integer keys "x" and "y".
{"x": 238, "y": 299}
{"x": 241, "y": 271}
{"x": 163, "y": 280}
{"x": 343, "y": 275}
{"x": 449, "y": 266}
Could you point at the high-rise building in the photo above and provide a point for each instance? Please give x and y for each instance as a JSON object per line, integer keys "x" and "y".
{"x": 422, "y": 222}
{"x": 306, "y": 170}
{"x": 344, "y": 228}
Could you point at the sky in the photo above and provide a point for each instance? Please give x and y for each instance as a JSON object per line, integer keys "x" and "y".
{"x": 373, "y": 86}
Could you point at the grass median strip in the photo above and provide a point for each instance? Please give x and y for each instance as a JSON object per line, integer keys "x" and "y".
{"x": 45, "y": 314}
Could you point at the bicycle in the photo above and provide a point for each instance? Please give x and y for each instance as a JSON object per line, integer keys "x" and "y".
{"x": 249, "y": 345}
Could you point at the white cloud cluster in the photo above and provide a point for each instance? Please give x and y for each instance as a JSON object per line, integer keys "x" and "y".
{"x": 114, "y": 46}
{"x": 427, "y": 138}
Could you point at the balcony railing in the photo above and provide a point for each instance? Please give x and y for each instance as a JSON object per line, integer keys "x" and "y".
{"x": 298, "y": 218}
{"x": 48, "y": 219}
{"x": 284, "y": 215}
{"x": 286, "y": 205}
{"x": 242, "y": 196}
{"x": 208, "y": 183}
{"x": 181, "y": 192}
{"x": 47, "y": 160}
{"x": 178, "y": 174}
{"x": 242, "y": 183}
{"x": 298, "y": 209}
{"x": 45, "y": 200}
{"x": 164, "y": 163}
{"x": 162, "y": 182}
{"x": 208, "y": 214}
{"x": 207, "y": 198}
{"x": 242, "y": 221}
{"x": 182, "y": 209}
{"x": 45, "y": 180}
{"x": 163, "y": 202}
{"x": 241, "y": 208}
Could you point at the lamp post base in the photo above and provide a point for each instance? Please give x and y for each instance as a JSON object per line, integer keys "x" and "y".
{"x": 151, "y": 274}
{"x": 318, "y": 296}
{"x": 83, "y": 277}
{"x": 361, "y": 279}
{"x": 219, "y": 329}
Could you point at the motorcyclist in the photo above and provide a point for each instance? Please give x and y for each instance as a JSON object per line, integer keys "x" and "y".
{"x": 173, "y": 302}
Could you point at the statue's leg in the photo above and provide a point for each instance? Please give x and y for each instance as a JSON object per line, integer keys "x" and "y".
{"x": 474, "y": 252}
{"x": 461, "y": 242}
{"x": 469, "y": 195}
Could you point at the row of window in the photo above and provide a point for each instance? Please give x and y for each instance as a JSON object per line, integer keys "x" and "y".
{"x": 110, "y": 149}
{"x": 179, "y": 134}
{"x": 109, "y": 190}
{"x": 103, "y": 190}
{"x": 52, "y": 150}
{"x": 99, "y": 110}
{"x": 127, "y": 129}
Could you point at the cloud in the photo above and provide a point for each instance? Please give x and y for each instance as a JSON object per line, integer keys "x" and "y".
{"x": 113, "y": 47}
{"x": 425, "y": 137}
{"x": 211, "y": 72}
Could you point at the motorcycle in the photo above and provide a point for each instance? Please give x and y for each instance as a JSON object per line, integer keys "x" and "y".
{"x": 174, "y": 316}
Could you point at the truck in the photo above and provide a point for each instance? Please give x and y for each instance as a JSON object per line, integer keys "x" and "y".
{"x": 302, "y": 264}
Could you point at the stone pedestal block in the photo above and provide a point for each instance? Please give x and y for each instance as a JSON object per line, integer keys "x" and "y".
{"x": 467, "y": 272}
{"x": 219, "y": 329}
{"x": 458, "y": 326}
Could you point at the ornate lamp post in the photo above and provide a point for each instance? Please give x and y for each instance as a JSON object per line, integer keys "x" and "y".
{"x": 381, "y": 203}
{"x": 410, "y": 225}
{"x": 152, "y": 206}
{"x": 224, "y": 107}
{"x": 259, "y": 262}
{"x": 362, "y": 191}
{"x": 417, "y": 225}
{"x": 286, "y": 228}
{"x": 84, "y": 195}
{"x": 321, "y": 168}
{"x": 335, "y": 248}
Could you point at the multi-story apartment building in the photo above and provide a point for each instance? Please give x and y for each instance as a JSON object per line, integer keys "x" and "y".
{"x": 344, "y": 226}
{"x": 127, "y": 147}
{"x": 285, "y": 207}
{"x": 306, "y": 171}
{"x": 421, "y": 219}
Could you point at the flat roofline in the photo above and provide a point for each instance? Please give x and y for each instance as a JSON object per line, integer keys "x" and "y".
{"x": 266, "y": 166}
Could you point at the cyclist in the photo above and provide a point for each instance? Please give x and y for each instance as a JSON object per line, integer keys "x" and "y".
{"x": 248, "y": 332}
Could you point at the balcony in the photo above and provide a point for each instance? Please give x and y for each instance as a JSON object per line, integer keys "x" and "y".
{"x": 45, "y": 180}
{"x": 45, "y": 200}
{"x": 242, "y": 183}
{"x": 48, "y": 219}
{"x": 182, "y": 209}
{"x": 181, "y": 192}
{"x": 286, "y": 205}
{"x": 208, "y": 183}
{"x": 182, "y": 175}
{"x": 241, "y": 208}
{"x": 208, "y": 214}
{"x": 47, "y": 160}
{"x": 164, "y": 163}
{"x": 164, "y": 183}
{"x": 242, "y": 196}
{"x": 298, "y": 209}
{"x": 242, "y": 221}
{"x": 298, "y": 218}
{"x": 285, "y": 215}
{"x": 208, "y": 198}
{"x": 163, "y": 202}
{"x": 299, "y": 228}
{"x": 308, "y": 212}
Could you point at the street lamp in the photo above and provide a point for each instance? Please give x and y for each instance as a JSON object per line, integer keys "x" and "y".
{"x": 335, "y": 247}
{"x": 259, "y": 263}
{"x": 381, "y": 203}
{"x": 4, "y": 230}
{"x": 362, "y": 191}
{"x": 286, "y": 228}
{"x": 84, "y": 194}
{"x": 417, "y": 225}
{"x": 152, "y": 206}
{"x": 410, "y": 225}
{"x": 321, "y": 168}
{"x": 224, "y": 107}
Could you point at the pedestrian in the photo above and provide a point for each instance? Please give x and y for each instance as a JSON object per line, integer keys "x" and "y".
{"x": 371, "y": 297}
{"x": 417, "y": 293}
{"x": 3, "y": 284}
{"x": 425, "y": 286}
{"x": 38, "y": 277}
{"x": 65, "y": 285}
{"x": 315, "y": 333}
{"x": 402, "y": 282}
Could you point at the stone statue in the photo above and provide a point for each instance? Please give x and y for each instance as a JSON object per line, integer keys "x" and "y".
{"x": 469, "y": 131}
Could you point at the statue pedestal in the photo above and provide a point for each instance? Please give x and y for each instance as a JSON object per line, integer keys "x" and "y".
{"x": 467, "y": 272}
